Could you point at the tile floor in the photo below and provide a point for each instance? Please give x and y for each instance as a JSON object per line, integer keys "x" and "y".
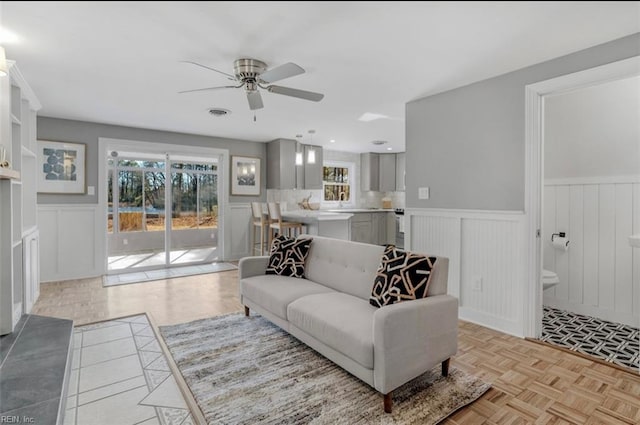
{"x": 157, "y": 258}
{"x": 120, "y": 376}
{"x": 135, "y": 277}
{"x": 613, "y": 342}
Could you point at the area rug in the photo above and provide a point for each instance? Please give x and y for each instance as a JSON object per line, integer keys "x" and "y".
{"x": 162, "y": 274}
{"x": 248, "y": 371}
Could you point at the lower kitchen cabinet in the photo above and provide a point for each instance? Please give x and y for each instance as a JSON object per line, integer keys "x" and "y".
{"x": 372, "y": 228}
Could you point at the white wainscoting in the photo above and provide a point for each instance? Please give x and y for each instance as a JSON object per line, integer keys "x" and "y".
{"x": 599, "y": 273}
{"x": 480, "y": 245}
{"x": 239, "y": 231}
{"x": 70, "y": 245}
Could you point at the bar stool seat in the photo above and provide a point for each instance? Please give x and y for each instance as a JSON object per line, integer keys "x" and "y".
{"x": 277, "y": 225}
{"x": 258, "y": 220}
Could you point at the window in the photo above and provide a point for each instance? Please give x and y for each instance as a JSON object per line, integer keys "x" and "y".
{"x": 338, "y": 183}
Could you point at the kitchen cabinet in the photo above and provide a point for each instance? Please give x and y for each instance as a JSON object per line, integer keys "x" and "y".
{"x": 370, "y": 172}
{"x": 378, "y": 172}
{"x": 361, "y": 228}
{"x": 401, "y": 160}
{"x": 372, "y": 228}
{"x": 282, "y": 171}
{"x": 281, "y": 168}
{"x": 387, "y": 172}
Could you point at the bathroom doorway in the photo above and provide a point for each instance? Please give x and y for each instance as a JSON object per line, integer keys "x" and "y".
{"x": 590, "y": 198}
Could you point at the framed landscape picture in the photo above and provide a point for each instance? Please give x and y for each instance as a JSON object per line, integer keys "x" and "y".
{"x": 245, "y": 176}
{"x": 61, "y": 167}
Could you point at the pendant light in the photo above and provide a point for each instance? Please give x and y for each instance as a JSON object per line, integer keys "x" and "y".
{"x": 311, "y": 155}
{"x": 299, "y": 155}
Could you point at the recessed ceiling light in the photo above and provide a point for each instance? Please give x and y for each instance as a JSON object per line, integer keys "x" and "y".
{"x": 332, "y": 141}
{"x": 389, "y": 149}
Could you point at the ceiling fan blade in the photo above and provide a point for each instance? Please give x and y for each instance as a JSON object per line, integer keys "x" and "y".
{"x": 302, "y": 94}
{"x": 229, "y": 76}
{"x": 210, "y": 88}
{"x": 255, "y": 100}
{"x": 281, "y": 72}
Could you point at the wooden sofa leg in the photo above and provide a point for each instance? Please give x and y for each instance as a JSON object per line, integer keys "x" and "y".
{"x": 445, "y": 368}
{"x": 246, "y": 311}
{"x": 388, "y": 403}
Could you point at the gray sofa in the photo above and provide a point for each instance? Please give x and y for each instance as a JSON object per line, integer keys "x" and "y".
{"x": 330, "y": 312}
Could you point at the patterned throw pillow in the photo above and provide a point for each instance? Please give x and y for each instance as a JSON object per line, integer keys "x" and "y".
{"x": 401, "y": 276}
{"x": 287, "y": 256}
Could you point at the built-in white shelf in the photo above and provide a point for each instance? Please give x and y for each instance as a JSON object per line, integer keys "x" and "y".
{"x": 9, "y": 174}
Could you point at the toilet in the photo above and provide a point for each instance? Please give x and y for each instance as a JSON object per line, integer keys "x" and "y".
{"x": 549, "y": 279}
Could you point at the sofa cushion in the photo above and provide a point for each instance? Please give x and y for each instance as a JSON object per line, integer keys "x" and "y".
{"x": 401, "y": 276}
{"x": 287, "y": 256}
{"x": 343, "y": 322}
{"x": 345, "y": 266}
{"x": 274, "y": 292}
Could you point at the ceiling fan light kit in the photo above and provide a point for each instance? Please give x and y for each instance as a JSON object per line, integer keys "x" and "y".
{"x": 252, "y": 74}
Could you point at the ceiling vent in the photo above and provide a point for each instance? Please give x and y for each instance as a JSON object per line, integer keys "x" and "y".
{"x": 379, "y": 142}
{"x": 219, "y": 112}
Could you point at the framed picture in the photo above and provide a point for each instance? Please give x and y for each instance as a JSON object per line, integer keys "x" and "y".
{"x": 245, "y": 176}
{"x": 61, "y": 167}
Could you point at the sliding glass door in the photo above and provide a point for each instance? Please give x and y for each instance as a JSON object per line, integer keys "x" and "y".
{"x": 162, "y": 211}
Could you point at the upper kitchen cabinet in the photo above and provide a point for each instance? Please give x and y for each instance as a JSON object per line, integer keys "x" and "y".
{"x": 401, "y": 160}
{"x": 370, "y": 171}
{"x": 378, "y": 172}
{"x": 387, "y": 172}
{"x": 312, "y": 167}
{"x": 282, "y": 171}
{"x": 281, "y": 164}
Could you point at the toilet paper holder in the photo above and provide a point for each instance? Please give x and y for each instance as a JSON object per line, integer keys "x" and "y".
{"x": 561, "y": 235}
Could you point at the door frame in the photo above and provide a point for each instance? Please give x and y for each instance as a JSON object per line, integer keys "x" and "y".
{"x": 106, "y": 144}
{"x": 534, "y": 170}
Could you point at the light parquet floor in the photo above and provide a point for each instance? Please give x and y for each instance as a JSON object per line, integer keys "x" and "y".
{"x": 532, "y": 383}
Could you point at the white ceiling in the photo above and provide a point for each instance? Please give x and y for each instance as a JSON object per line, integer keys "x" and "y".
{"x": 118, "y": 62}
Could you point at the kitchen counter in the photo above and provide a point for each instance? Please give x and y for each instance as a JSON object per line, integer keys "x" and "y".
{"x": 361, "y": 210}
{"x": 322, "y": 223}
{"x": 310, "y": 216}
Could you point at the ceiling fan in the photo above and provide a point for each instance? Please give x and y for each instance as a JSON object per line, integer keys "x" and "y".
{"x": 252, "y": 74}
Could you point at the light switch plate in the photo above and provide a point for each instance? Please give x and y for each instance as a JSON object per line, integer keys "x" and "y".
{"x": 91, "y": 190}
{"x": 423, "y": 193}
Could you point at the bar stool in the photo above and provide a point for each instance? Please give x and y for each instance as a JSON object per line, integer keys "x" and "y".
{"x": 258, "y": 220}
{"x": 276, "y": 223}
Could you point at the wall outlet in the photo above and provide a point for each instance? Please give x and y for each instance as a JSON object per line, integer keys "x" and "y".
{"x": 477, "y": 284}
{"x": 423, "y": 193}
{"x": 125, "y": 242}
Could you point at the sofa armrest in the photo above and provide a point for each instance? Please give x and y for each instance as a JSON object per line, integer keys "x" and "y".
{"x": 252, "y": 266}
{"x": 412, "y": 337}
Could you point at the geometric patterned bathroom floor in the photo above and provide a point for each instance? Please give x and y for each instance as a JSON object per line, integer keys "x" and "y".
{"x": 120, "y": 376}
{"x": 609, "y": 341}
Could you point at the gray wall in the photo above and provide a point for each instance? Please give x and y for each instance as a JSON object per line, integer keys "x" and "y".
{"x": 594, "y": 131}
{"x": 468, "y": 144}
{"x": 87, "y": 132}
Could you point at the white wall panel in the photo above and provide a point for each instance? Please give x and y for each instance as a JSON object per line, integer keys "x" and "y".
{"x": 480, "y": 246}
{"x": 590, "y": 244}
{"x": 607, "y": 253}
{"x": 239, "y": 222}
{"x": 600, "y": 270}
{"x": 69, "y": 246}
{"x": 623, "y": 289}
{"x": 439, "y": 236}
